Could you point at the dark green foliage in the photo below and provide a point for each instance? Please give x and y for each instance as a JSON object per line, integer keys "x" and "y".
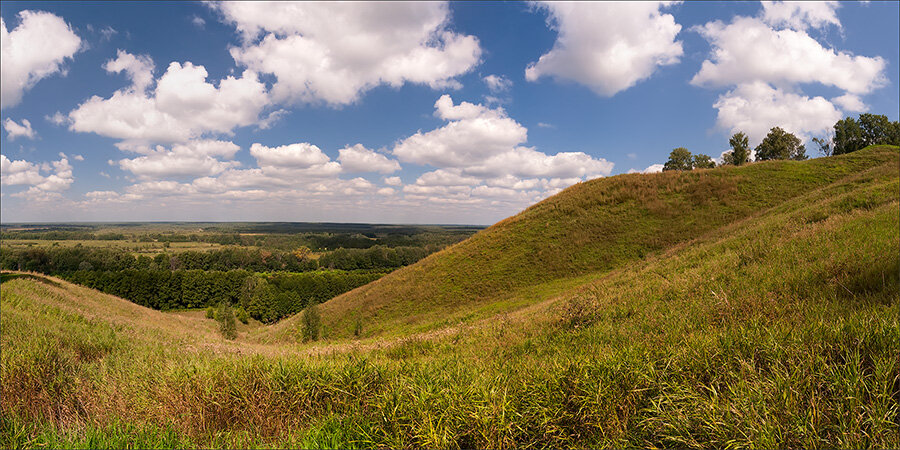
{"x": 375, "y": 257}
{"x": 740, "y": 150}
{"x": 227, "y": 324}
{"x": 52, "y": 260}
{"x": 266, "y": 298}
{"x": 311, "y": 323}
{"x": 847, "y": 136}
{"x": 679, "y": 159}
{"x": 851, "y": 135}
{"x": 780, "y": 144}
{"x": 701, "y": 161}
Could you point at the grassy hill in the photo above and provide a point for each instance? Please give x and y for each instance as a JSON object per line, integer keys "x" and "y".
{"x": 738, "y": 307}
{"x": 585, "y": 231}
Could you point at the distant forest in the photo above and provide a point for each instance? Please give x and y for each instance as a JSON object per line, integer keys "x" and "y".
{"x": 271, "y": 270}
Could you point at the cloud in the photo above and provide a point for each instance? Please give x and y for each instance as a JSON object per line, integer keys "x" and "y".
{"x": 497, "y": 83}
{"x": 765, "y": 61}
{"x": 485, "y": 142}
{"x": 15, "y": 130}
{"x": 107, "y": 33}
{"x": 183, "y": 106}
{"x": 757, "y": 107}
{"x": 21, "y": 172}
{"x": 479, "y": 154}
{"x": 801, "y": 15}
{"x": 608, "y": 47}
{"x": 850, "y": 103}
{"x": 301, "y": 155}
{"x": 34, "y": 50}
{"x": 57, "y": 118}
{"x": 197, "y": 158}
{"x": 747, "y": 50}
{"x": 393, "y": 181}
{"x": 139, "y": 69}
{"x": 198, "y": 21}
{"x": 360, "y": 159}
{"x": 474, "y": 134}
{"x": 654, "y": 168}
{"x": 334, "y": 52}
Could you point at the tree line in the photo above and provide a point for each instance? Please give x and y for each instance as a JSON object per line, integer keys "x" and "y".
{"x": 266, "y": 297}
{"x": 849, "y": 135}
{"x": 51, "y": 260}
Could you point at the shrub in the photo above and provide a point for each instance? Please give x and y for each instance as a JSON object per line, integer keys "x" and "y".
{"x": 210, "y": 312}
{"x": 227, "y": 324}
{"x": 310, "y": 324}
{"x": 242, "y": 315}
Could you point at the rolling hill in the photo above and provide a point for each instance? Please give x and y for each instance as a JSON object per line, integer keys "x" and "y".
{"x": 575, "y": 236}
{"x": 751, "y": 306}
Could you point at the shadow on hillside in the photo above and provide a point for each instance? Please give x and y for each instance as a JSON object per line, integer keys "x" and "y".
{"x": 7, "y": 276}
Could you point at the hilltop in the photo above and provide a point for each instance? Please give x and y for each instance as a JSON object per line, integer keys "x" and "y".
{"x": 575, "y": 236}
{"x": 748, "y": 307}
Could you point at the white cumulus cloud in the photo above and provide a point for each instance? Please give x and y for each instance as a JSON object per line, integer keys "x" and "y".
{"x": 183, "y": 105}
{"x": 607, "y": 46}
{"x": 360, "y": 159}
{"x": 34, "y": 50}
{"x": 766, "y": 61}
{"x": 748, "y": 50}
{"x": 333, "y": 52}
{"x": 757, "y": 107}
{"x": 801, "y": 15}
{"x": 21, "y": 172}
{"x": 196, "y": 158}
{"x": 15, "y": 130}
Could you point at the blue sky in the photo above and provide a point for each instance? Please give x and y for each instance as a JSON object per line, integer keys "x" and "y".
{"x": 404, "y": 113}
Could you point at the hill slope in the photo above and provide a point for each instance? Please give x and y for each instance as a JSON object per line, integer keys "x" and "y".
{"x": 585, "y": 231}
{"x": 776, "y": 330}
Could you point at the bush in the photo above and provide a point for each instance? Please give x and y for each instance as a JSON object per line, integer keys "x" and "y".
{"x": 227, "y": 324}
{"x": 310, "y": 324}
{"x": 210, "y": 312}
{"x": 242, "y": 315}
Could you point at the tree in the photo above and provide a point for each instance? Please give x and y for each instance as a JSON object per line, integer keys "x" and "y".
{"x": 875, "y": 129}
{"x": 311, "y": 321}
{"x": 826, "y": 145}
{"x": 740, "y": 149}
{"x": 780, "y": 144}
{"x": 851, "y": 135}
{"x": 848, "y": 136}
{"x": 702, "y": 161}
{"x": 227, "y": 324}
{"x": 679, "y": 159}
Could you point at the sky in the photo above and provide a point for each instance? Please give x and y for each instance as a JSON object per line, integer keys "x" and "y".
{"x": 451, "y": 113}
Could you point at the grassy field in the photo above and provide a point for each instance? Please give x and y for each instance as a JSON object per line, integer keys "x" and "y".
{"x": 741, "y": 307}
{"x": 136, "y": 248}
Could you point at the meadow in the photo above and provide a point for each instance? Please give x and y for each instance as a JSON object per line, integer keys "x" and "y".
{"x": 750, "y": 306}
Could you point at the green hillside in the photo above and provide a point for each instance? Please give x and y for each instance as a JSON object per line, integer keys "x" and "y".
{"x": 585, "y": 231}
{"x": 737, "y": 307}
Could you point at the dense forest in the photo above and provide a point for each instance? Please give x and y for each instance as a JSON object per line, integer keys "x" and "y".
{"x": 269, "y": 270}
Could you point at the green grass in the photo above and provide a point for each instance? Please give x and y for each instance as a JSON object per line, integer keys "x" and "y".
{"x": 775, "y": 329}
{"x": 587, "y": 230}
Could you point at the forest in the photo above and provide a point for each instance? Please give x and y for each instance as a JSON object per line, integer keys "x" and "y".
{"x": 270, "y": 270}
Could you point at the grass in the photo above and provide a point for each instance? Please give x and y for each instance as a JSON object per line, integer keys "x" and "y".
{"x": 589, "y": 229}
{"x": 137, "y": 248}
{"x": 776, "y": 329}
